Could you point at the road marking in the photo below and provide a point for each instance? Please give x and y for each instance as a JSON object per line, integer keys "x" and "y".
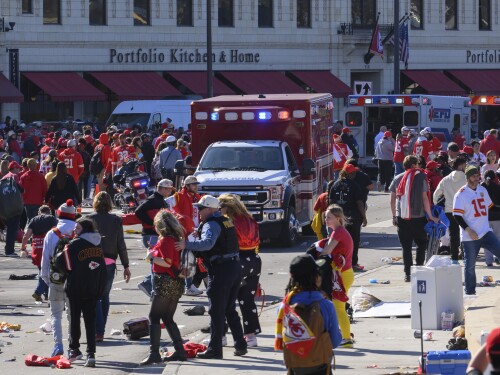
{"x": 381, "y": 224}
{"x": 132, "y": 278}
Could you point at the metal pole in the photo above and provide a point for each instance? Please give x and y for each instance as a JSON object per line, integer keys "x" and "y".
{"x": 210, "y": 89}
{"x": 397, "y": 89}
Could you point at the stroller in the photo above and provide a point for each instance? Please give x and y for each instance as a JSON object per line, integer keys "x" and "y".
{"x": 435, "y": 231}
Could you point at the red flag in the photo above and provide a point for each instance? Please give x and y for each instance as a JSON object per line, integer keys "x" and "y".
{"x": 376, "y": 46}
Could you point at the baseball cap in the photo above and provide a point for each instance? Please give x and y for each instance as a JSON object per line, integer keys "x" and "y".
{"x": 14, "y": 165}
{"x": 207, "y": 201}
{"x": 349, "y": 168}
{"x": 468, "y": 150}
{"x": 493, "y": 343}
{"x": 424, "y": 131}
{"x": 388, "y": 134}
{"x": 71, "y": 143}
{"x": 190, "y": 180}
{"x": 486, "y": 133}
{"x": 432, "y": 165}
{"x": 428, "y": 130}
{"x": 336, "y": 138}
{"x": 405, "y": 129}
{"x": 170, "y": 139}
{"x": 471, "y": 171}
{"x": 166, "y": 183}
{"x": 346, "y": 130}
{"x": 127, "y": 132}
{"x": 304, "y": 265}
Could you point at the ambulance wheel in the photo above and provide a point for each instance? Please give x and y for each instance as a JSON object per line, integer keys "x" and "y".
{"x": 290, "y": 231}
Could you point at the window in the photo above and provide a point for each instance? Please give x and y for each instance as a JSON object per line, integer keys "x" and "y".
{"x": 417, "y": 14}
{"x": 51, "y": 12}
{"x": 354, "y": 118}
{"x": 451, "y": 15}
{"x": 484, "y": 14}
{"x": 226, "y": 18}
{"x": 184, "y": 12}
{"x": 97, "y": 12}
{"x": 364, "y": 12}
{"x": 303, "y": 14}
{"x": 265, "y": 13}
{"x": 410, "y": 118}
{"x": 141, "y": 13}
{"x": 27, "y": 6}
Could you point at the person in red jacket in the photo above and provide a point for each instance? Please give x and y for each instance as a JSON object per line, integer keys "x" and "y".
{"x": 105, "y": 150}
{"x": 401, "y": 150}
{"x": 120, "y": 154}
{"x": 247, "y": 231}
{"x": 490, "y": 142}
{"x": 35, "y": 188}
{"x": 182, "y": 203}
{"x": 433, "y": 175}
{"x": 341, "y": 152}
{"x": 44, "y": 151}
{"x": 423, "y": 147}
{"x": 73, "y": 160}
{"x": 161, "y": 138}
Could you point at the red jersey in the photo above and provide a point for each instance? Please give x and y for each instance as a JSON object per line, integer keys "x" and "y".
{"x": 160, "y": 139}
{"x": 120, "y": 154}
{"x": 436, "y": 145}
{"x": 73, "y": 161}
{"x": 424, "y": 148}
{"x": 344, "y": 153}
{"x": 44, "y": 152}
{"x": 182, "y": 203}
{"x": 400, "y": 149}
{"x": 321, "y": 203}
{"x": 165, "y": 249}
{"x": 247, "y": 231}
{"x": 459, "y": 139}
{"x": 344, "y": 247}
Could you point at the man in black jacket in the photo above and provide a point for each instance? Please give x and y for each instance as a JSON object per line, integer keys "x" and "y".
{"x": 148, "y": 152}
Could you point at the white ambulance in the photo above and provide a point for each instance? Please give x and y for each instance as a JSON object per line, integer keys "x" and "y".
{"x": 364, "y": 115}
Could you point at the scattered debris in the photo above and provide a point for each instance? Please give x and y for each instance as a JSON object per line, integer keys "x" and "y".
{"x": 115, "y": 332}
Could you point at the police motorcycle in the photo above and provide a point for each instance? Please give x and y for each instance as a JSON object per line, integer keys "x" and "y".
{"x": 131, "y": 185}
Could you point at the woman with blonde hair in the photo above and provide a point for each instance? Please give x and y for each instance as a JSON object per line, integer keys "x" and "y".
{"x": 168, "y": 287}
{"x": 340, "y": 244}
{"x": 247, "y": 231}
{"x": 491, "y": 162}
{"x": 4, "y": 167}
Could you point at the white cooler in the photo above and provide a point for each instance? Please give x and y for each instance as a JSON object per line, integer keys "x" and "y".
{"x": 440, "y": 290}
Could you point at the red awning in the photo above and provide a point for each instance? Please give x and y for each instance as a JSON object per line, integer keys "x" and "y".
{"x": 481, "y": 82}
{"x": 324, "y": 81}
{"x": 197, "y": 83}
{"x": 434, "y": 82}
{"x": 65, "y": 86}
{"x": 263, "y": 82}
{"x": 136, "y": 85}
{"x": 8, "y": 92}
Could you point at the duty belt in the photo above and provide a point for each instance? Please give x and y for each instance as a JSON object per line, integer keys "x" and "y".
{"x": 218, "y": 259}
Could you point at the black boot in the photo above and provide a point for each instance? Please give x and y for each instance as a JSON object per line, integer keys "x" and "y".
{"x": 175, "y": 336}
{"x": 154, "y": 347}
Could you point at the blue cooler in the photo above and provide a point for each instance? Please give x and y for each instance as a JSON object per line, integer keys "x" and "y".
{"x": 453, "y": 362}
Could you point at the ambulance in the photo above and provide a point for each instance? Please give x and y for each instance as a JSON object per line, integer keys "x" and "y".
{"x": 364, "y": 115}
{"x": 273, "y": 151}
{"x": 485, "y": 114}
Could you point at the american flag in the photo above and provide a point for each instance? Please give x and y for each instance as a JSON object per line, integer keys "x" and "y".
{"x": 404, "y": 45}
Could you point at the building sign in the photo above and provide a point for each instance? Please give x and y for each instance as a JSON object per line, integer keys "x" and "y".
{"x": 14, "y": 67}
{"x": 439, "y": 114}
{"x": 180, "y": 56}
{"x": 488, "y": 56}
{"x": 363, "y": 87}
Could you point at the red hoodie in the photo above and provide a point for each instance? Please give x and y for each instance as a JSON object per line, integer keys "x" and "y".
{"x": 35, "y": 188}
{"x": 490, "y": 143}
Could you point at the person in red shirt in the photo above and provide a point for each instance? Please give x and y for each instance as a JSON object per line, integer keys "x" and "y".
{"x": 161, "y": 138}
{"x": 340, "y": 247}
{"x": 168, "y": 288}
{"x": 319, "y": 209}
{"x": 401, "y": 149}
{"x": 458, "y": 138}
{"x": 433, "y": 175}
{"x": 423, "y": 147}
{"x": 490, "y": 142}
{"x": 44, "y": 151}
{"x": 105, "y": 150}
{"x": 61, "y": 145}
{"x": 35, "y": 188}
{"x": 435, "y": 142}
{"x": 341, "y": 152}
{"x": 121, "y": 154}
{"x": 73, "y": 160}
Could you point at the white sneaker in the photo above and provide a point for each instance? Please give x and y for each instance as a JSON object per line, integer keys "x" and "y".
{"x": 207, "y": 341}
{"x": 192, "y": 291}
{"x": 251, "y": 341}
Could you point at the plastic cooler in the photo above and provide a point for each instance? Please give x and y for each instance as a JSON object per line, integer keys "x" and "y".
{"x": 440, "y": 290}
{"x": 452, "y": 362}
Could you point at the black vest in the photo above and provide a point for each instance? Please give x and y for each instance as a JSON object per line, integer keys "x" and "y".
{"x": 227, "y": 242}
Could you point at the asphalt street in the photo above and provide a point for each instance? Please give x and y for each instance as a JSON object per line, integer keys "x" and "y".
{"x": 117, "y": 355}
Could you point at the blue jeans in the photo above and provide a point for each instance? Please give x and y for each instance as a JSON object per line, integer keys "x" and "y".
{"x": 102, "y": 305}
{"x": 41, "y": 287}
{"x": 471, "y": 250}
{"x": 398, "y": 168}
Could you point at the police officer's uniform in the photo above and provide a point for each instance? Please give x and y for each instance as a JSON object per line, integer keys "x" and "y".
{"x": 217, "y": 244}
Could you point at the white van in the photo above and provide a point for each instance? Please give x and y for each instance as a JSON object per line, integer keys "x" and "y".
{"x": 151, "y": 112}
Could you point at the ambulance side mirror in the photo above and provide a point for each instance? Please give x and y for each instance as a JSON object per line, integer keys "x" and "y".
{"x": 308, "y": 167}
{"x": 179, "y": 168}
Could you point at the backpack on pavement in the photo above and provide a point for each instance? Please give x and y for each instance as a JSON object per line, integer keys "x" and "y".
{"x": 57, "y": 274}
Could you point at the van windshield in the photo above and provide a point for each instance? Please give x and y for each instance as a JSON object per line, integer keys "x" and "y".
{"x": 242, "y": 158}
{"x": 125, "y": 120}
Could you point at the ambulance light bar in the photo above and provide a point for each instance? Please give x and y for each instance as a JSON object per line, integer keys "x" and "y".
{"x": 353, "y": 101}
{"x": 368, "y": 101}
{"x": 384, "y": 100}
{"x": 484, "y": 100}
{"x": 496, "y": 100}
{"x": 399, "y": 100}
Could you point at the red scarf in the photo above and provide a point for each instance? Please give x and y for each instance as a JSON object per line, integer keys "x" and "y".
{"x": 403, "y": 191}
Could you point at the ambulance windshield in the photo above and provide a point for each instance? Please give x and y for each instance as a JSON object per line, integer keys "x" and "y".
{"x": 242, "y": 159}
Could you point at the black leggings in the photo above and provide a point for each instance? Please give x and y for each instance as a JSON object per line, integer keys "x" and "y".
{"x": 163, "y": 308}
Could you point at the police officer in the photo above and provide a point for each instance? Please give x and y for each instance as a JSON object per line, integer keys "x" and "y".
{"x": 217, "y": 244}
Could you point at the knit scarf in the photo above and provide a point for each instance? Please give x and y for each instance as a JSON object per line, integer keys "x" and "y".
{"x": 403, "y": 191}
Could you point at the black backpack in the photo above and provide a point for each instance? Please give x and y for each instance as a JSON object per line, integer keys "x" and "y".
{"x": 57, "y": 274}
{"x": 95, "y": 162}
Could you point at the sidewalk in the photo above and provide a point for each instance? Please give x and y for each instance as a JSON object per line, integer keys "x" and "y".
{"x": 383, "y": 345}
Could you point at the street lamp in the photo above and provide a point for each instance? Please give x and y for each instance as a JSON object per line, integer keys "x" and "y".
{"x": 210, "y": 74}
{"x": 397, "y": 88}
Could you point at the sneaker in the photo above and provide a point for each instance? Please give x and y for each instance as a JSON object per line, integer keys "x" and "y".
{"x": 99, "y": 338}
{"x": 358, "y": 268}
{"x": 207, "y": 341}
{"x": 407, "y": 278}
{"x": 75, "y": 355}
{"x": 145, "y": 287}
{"x": 12, "y": 255}
{"x": 346, "y": 344}
{"x": 37, "y": 297}
{"x": 251, "y": 341}
{"x": 90, "y": 362}
{"x": 454, "y": 261}
{"x": 58, "y": 350}
{"x": 192, "y": 291}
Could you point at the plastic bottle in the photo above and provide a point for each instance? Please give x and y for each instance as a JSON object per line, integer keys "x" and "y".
{"x": 373, "y": 281}
{"x": 387, "y": 260}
